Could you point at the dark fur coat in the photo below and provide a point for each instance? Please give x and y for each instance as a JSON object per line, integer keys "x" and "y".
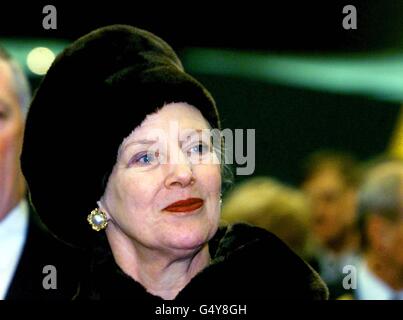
{"x": 248, "y": 263}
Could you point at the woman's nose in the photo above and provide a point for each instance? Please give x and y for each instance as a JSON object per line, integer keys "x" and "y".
{"x": 180, "y": 173}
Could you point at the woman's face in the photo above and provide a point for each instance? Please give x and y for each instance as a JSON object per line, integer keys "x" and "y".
{"x": 164, "y": 160}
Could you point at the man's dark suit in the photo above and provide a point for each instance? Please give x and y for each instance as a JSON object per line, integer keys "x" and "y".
{"x": 41, "y": 248}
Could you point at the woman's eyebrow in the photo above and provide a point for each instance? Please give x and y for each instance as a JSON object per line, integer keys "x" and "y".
{"x": 148, "y": 141}
{"x": 193, "y": 133}
{"x": 141, "y": 141}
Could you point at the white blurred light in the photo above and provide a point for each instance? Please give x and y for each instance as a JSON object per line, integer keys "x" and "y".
{"x": 40, "y": 59}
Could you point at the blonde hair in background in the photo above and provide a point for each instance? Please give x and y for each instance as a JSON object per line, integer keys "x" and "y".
{"x": 276, "y": 207}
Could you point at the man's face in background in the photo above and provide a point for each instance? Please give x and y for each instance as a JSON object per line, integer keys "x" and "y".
{"x": 333, "y": 204}
{"x": 11, "y": 134}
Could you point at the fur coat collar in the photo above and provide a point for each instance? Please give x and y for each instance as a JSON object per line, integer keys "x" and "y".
{"x": 248, "y": 263}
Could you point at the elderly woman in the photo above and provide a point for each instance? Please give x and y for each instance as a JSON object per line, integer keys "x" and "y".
{"x": 128, "y": 154}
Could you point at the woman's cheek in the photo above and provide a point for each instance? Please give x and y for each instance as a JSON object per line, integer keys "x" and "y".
{"x": 213, "y": 177}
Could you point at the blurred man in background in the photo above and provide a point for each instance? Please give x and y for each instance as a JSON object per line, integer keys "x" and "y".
{"x": 26, "y": 248}
{"x": 269, "y": 204}
{"x": 330, "y": 182}
{"x": 380, "y": 271}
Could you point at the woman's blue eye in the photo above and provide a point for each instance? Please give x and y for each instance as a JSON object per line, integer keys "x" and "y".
{"x": 200, "y": 148}
{"x": 143, "y": 159}
{"x": 147, "y": 158}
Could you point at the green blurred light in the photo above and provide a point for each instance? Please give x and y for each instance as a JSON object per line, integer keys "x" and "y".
{"x": 374, "y": 75}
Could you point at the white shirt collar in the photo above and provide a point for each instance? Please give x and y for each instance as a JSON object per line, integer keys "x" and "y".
{"x": 13, "y": 233}
{"x": 370, "y": 287}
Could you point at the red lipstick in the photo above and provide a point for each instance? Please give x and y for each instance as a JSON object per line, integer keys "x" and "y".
{"x": 190, "y": 204}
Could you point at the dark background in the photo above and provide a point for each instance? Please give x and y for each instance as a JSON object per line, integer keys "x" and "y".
{"x": 266, "y": 25}
{"x": 289, "y": 122}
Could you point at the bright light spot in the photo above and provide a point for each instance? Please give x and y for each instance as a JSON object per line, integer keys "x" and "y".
{"x": 39, "y": 60}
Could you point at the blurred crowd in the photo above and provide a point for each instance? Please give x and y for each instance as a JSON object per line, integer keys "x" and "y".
{"x": 345, "y": 218}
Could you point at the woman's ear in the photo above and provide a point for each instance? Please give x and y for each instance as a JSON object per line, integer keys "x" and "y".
{"x": 102, "y": 207}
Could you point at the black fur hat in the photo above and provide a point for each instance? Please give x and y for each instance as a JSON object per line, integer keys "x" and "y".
{"x": 95, "y": 93}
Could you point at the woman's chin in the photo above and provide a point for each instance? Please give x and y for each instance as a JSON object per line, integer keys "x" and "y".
{"x": 187, "y": 240}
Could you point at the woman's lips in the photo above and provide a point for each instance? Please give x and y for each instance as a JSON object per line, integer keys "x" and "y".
{"x": 190, "y": 204}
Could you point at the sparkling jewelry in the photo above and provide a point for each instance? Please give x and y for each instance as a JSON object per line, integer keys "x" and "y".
{"x": 97, "y": 219}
